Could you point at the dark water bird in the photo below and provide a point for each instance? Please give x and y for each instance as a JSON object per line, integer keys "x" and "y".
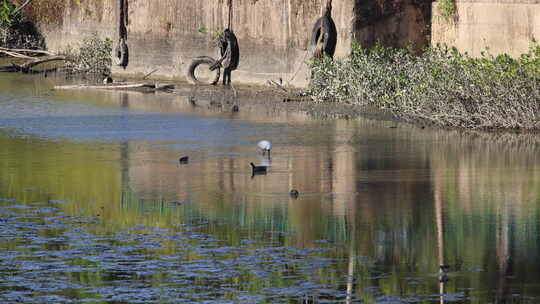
{"x": 107, "y": 80}
{"x": 183, "y": 160}
{"x": 235, "y": 108}
{"x": 443, "y": 279}
{"x": 265, "y": 146}
{"x": 258, "y": 169}
{"x": 294, "y": 193}
{"x": 444, "y": 267}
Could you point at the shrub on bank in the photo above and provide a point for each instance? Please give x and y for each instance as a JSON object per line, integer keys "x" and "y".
{"x": 16, "y": 31}
{"x": 93, "y": 55}
{"x": 441, "y": 87}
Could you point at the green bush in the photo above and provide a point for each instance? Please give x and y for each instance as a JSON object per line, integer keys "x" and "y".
{"x": 441, "y": 87}
{"x": 447, "y": 9}
{"x": 93, "y": 55}
{"x": 7, "y": 15}
{"x": 16, "y": 31}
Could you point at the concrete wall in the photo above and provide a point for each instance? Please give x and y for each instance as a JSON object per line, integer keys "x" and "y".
{"x": 273, "y": 34}
{"x": 166, "y": 34}
{"x": 396, "y": 23}
{"x": 503, "y": 26}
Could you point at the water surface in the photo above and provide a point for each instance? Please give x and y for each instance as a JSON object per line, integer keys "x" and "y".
{"x": 95, "y": 208}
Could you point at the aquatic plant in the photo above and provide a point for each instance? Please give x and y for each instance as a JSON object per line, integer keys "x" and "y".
{"x": 441, "y": 87}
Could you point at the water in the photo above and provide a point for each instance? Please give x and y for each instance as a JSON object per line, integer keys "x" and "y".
{"x": 95, "y": 208}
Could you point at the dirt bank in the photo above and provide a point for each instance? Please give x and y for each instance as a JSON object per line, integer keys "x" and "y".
{"x": 273, "y": 100}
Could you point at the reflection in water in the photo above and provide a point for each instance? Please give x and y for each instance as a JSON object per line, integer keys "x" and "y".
{"x": 380, "y": 210}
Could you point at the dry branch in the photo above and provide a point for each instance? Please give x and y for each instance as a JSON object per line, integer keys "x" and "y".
{"x": 21, "y": 7}
{"x": 37, "y": 52}
{"x": 33, "y": 61}
{"x": 118, "y": 86}
{"x": 15, "y": 54}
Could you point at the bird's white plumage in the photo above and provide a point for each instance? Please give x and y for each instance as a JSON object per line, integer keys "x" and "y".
{"x": 265, "y": 145}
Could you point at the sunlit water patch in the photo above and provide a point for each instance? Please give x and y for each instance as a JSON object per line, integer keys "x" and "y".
{"x": 95, "y": 206}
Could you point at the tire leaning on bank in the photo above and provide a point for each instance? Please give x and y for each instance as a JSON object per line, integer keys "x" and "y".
{"x": 200, "y": 63}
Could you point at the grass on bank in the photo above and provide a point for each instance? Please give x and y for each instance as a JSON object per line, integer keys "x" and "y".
{"x": 440, "y": 87}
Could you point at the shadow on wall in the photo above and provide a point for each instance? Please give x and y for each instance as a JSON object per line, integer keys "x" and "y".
{"x": 17, "y": 30}
{"x": 394, "y": 23}
{"x": 22, "y": 35}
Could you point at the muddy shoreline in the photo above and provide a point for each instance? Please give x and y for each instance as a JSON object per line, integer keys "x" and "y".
{"x": 268, "y": 99}
{"x": 276, "y": 100}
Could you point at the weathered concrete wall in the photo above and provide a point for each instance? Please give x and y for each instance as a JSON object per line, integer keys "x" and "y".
{"x": 166, "y": 34}
{"x": 503, "y": 26}
{"x": 396, "y": 23}
{"x": 273, "y": 34}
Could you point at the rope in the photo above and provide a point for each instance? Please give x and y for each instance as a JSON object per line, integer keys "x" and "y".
{"x": 230, "y": 15}
{"x": 121, "y": 52}
{"x": 303, "y": 61}
{"x": 123, "y": 18}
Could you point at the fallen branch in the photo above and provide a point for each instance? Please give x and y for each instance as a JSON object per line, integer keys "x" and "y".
{"x": 21, "y": 7}
{"x": 107, "y": 87}
{"x": 145, "y": 76}
{"x": 33, "y": 63}
{"x": 277, "y": 85}
{"x": 14, "y": 54}
{"x": 27, "y": 67}
{"x": 116, "y": 86}
{"x": 39, "y": 52}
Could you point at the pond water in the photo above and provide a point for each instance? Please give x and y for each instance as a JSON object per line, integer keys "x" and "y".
{"x": 95, "y": 207}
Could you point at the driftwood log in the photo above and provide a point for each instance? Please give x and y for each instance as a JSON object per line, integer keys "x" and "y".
{"x": 118, "y": 86}
{"x": 33, "y": 60}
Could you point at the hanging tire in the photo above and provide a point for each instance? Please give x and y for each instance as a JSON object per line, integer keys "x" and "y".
{"x": 121, "y": 55}
{"x": 324, "y": 27}
{"x": 200, "y": 63}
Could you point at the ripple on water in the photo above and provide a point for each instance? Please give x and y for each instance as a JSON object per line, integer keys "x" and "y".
{"x": 58, "y": 259}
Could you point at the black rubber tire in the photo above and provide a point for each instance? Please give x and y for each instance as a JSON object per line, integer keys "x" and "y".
{"x": 122, "y": 55}
{"x": 329, "y": 27}
{"x": 206, "y": 60}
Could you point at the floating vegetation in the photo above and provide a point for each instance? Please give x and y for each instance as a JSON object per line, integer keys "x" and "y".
{"x": 56, "y": 258}
{"x": 54, "y": 255}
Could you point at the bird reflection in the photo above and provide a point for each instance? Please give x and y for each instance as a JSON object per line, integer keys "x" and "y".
{"x": 265, "y": 161}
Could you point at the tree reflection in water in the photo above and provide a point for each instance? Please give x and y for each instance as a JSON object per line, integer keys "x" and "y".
{"x": 380, "y": 209}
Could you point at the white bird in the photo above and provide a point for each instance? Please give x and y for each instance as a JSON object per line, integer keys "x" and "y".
{"x": 265, "y": 146}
